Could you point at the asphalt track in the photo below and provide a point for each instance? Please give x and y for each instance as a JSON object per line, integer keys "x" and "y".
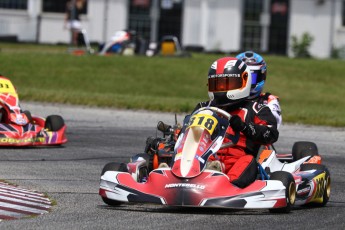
{"x": 70, "y": 176}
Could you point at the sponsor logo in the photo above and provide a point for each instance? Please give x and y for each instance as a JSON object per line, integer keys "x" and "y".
{"x": 230, "y": 64}
{"x": 185, "y": 185}
{"x": 267, "y": 134}
{"x": 320, "y": 189}
{"x": 224, "y": 75}
{"x": 17, "y": 141}
{"x": 318, "y": 186}
{"x": 252, "y": 129}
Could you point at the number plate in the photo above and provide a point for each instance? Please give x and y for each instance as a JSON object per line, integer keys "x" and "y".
{"x": 204, "y": 121}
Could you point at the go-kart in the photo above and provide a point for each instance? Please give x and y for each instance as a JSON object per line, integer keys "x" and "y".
{"x": 20, "y": 128}
{"x": 186, "y": 180}
{"x": 124, "y": 42}
{"x": 312, "y": 178}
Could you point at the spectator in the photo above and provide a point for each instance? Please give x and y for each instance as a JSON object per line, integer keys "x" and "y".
{"x": 72, "y": 19}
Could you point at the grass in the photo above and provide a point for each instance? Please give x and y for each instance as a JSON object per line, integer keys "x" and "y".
{"x": 311, "y": 91}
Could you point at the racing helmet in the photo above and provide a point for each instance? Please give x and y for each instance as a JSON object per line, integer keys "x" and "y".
{"x": 258, "y": 68}
{"x": 229, "y": 82}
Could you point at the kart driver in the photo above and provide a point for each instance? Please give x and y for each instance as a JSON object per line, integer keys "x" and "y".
{"x": 229, "y": 86}
{"x": 258, "y": 68}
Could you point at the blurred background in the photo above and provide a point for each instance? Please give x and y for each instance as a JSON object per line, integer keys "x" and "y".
{"x": 266, "y": 26}
{"x": 303, "y": 42}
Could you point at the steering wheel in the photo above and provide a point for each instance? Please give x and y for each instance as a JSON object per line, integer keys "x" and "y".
{"x": 214, "y": 109}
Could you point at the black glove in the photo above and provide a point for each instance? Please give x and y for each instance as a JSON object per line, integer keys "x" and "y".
{"x": 237, "y": 124}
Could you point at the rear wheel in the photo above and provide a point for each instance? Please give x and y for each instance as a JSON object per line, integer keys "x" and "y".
{"x": 302, "y": 149}
{"x": 290, "y": 192}
{"x": 54, "y": 123}
{"x": 113, "y": 166}
{"x": 326, "y": 184}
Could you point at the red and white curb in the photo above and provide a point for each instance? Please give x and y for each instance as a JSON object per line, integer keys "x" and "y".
{"x": 16, "y": 202}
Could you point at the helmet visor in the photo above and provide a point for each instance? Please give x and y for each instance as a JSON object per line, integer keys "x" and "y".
{"x": 222, "y": 82}
{"x": 254, "y": 77}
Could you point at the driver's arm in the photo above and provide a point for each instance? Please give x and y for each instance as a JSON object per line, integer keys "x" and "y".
{"x": 263, "y": 130}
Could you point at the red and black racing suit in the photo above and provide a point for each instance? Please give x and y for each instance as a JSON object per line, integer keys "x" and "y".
{"x": 261, "y": 129}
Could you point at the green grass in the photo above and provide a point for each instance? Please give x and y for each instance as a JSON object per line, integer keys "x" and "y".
{"x": 311, "y": 91}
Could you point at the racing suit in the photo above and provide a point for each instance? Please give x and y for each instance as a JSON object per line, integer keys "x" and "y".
{"x": 256, "y": 126}
{"x": 272, "y": 102}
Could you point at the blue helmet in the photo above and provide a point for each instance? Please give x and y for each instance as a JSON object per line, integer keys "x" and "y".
{"x": 258, "y": 68}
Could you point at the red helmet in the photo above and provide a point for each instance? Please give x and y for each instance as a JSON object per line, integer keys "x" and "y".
{"x": 229, "y": 81}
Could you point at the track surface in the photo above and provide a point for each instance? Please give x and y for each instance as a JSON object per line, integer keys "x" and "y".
{"x": 70, "y": 176}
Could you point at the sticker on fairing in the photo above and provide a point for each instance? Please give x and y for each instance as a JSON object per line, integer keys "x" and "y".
{"x": 6, "y": 86}
{"x": 205, "y": 121}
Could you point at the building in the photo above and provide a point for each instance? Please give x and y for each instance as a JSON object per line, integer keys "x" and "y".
{"x": 212, "y": 25}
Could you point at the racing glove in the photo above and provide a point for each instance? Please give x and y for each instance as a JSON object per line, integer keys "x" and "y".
{"x": 237, "y": 124}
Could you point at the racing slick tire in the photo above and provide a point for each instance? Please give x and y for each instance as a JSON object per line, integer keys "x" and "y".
{"x": 54, "y": 123}
{"x": 327, "y": 183}
{"x": 113, "y": 166}
{"x": 302, "y": 149}
{"x": 290, "y": 192}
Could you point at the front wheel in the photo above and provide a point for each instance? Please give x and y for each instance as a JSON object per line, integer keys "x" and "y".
{"x": 111, "y": 202}
{"x": 113, "y": 166}
{"x": 290, "y": 190}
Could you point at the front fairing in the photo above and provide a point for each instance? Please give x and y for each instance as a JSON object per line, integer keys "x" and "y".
{"x": 202, "y": 135}
{"x": 30, "y": 135}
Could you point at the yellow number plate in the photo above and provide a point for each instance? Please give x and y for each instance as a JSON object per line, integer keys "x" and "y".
{"x": 204, "y": 121}
{"x": 7, "y": 87}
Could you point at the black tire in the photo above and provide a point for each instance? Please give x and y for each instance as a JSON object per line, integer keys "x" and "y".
{"x": 113, "y": 166}
{"x": 288, "y": 181}
{"x": 54, "y": 123}
{"x": 302, "y": 149}
{"x": 327, "y": 183}
{"x": 28, "y": 115}
{"x": 111, "y": 202}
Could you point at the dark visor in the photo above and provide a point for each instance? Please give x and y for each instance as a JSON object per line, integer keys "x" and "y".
{"x": 222, "y": 84}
